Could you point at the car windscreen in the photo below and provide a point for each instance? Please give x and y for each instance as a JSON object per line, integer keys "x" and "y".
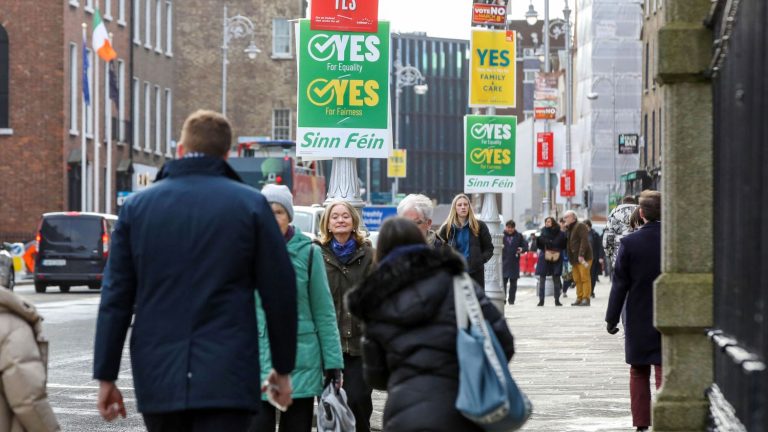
{"x": 303, "y": 221}
{"x": 70, "y": 234}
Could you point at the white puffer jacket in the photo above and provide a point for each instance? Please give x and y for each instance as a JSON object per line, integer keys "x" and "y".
{"x": 24, "y": 404}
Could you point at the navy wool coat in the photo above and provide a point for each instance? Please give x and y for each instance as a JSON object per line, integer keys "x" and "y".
{"x": 186, "y": 256}
{"x": 510, "y": 260}
{"x": 638, "y": 264}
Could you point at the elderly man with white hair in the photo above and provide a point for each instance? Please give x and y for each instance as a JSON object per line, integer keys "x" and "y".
{"x": 418, "y": 208}
{"x": 580, "y": 257}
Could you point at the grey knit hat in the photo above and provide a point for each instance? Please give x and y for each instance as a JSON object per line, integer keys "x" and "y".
{"x": 279, "y": 194}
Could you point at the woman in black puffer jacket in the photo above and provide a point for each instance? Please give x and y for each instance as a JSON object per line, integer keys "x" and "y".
{"x": 409, "y": 345}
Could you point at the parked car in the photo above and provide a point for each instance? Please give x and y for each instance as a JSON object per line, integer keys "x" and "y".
{"x": 72, "y": 249}
{"x": 307, "y": 219}
{"x": 7, "y": 277}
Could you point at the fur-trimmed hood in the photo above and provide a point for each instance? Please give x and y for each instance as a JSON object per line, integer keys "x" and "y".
{"x": 400, "y": 274}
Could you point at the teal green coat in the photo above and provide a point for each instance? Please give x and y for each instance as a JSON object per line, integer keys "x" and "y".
{"x": 318, "y": 343}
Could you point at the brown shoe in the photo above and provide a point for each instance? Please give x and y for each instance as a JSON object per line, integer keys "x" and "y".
{"x": 585, "y": 302}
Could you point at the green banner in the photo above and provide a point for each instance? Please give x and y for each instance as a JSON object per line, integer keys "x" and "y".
{"x": 343, "y": 93}
{"x": 489, "y": 153}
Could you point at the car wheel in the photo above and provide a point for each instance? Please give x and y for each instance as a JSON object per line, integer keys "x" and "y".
{"x": 64, "y": 288}
{"x": 11, "y": 279}
{"x": 40, "y": 287}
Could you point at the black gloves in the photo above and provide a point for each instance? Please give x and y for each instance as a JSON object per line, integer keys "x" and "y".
{"x": 612, "y": 328}
{"x": 333, "y": 376}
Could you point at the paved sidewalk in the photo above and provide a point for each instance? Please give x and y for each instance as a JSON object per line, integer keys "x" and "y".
{"x": 569, "y": 366}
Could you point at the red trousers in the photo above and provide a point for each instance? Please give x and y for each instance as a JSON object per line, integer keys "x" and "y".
{"x": 640, "y": 393}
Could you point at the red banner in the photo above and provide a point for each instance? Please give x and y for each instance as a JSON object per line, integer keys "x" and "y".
{"x": 545, "y": 150}
{"x": 568, "y": 183}
{"x": 484, "y": 14}
{"x": 345, "y": 15}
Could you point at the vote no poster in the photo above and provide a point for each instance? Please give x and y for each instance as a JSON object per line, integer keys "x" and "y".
{"x": 489, "y": 153}
{"x": 343, "y": 93}
{"x": 492, "y": 69}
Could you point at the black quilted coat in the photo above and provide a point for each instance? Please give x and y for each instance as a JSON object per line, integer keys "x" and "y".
{"x": 409, "y": 345}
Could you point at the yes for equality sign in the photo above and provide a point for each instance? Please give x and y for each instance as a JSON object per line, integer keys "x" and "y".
{"x": 343, "y": 93}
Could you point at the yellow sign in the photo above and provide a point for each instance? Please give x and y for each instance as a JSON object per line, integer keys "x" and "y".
{"x": 396, "y": 164}
{"x": 492, "y": 73}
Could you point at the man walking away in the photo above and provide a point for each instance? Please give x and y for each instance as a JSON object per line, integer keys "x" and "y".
{"x": 187, "y": 254}
{"x": 514, "y": 246}
{"x": 617, "y": 227}
{"x": 598, "y": 255}
{"x": 580, "y": 257}
{"x": 637, "y": 266}
{"x": 419, "y": 209}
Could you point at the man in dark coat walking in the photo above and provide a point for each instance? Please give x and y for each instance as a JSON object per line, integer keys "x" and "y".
{"x": 186, "y": 256}
{"x": 638, "y": 264}
{"x": 514, "y": 246}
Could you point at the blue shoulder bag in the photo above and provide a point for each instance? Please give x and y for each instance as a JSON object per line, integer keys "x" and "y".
{"x": 488, "y": 396}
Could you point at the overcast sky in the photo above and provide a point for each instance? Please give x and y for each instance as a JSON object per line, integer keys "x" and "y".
{"x": 451, "y": 18}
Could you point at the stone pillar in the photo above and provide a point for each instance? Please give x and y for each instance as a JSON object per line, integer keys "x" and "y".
{"x": 683, "y": 292}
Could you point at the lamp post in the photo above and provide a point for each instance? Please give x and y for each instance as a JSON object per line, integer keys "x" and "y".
{"x": 594, "y": 96}
{"x": 568, "y": 91}
{"x": 405, "y": 76}
{"x": 236, "y": 27}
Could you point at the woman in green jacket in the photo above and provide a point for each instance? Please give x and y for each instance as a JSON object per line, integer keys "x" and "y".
{"x": 318, "y": 352}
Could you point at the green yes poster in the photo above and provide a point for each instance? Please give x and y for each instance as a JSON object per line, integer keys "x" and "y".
{"x": 489, "y": 153}
{"x": 343, "y": 93}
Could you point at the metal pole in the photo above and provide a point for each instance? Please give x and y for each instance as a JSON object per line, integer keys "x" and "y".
{"x": 224, "y": 49}
{"x": 96, "y": 143}
{"x": 398, "y": 90}
{"x": 83, "y": 146}
{"x": 368, "y": 180}
{"x": 108, "y": 133}
{"x": 568, "y": 92}
{"x": 489, "y": 214}
{"x": 545, "y": 204}
{"x": 614, "y": 137}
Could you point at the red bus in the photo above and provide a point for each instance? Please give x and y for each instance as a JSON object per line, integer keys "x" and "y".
{"x": 261, "y": 162}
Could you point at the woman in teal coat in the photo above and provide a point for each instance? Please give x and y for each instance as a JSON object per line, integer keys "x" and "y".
{"x": 318, "y": 353}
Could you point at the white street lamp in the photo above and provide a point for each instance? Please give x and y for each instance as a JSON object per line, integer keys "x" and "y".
{"x": 236, "y": 27}
{"x": 531, "y": 17}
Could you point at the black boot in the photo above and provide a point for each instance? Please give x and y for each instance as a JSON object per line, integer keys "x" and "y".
{"x": 541, "y": 302}
{"x": 557, "y": 302}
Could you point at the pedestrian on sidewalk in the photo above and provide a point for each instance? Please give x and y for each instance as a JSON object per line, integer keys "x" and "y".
{"x": 469, "y": 236}
{"x": 598, "y": 254}
{"x": 514, "y": 246}
{"x": 419, "y": 209}
{"x": 567, "y": 269}
{"x": 551, "y": 244}
{"x": 409, "y": 346}
{"x": 186, "y": 255}
{"x": 617, "y": 227}
{"x": 24, "y": 403}
{"x": 637, "y": 266}
{"x": 318, "y": 348}
{"x": 348, "y": 260}
{"x": 580, "y": 257}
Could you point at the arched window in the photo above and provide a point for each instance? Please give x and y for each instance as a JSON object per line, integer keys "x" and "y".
{"x": 4, "y": 77}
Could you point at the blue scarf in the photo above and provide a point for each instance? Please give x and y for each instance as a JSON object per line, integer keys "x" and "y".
{"x": 344, "y": 251}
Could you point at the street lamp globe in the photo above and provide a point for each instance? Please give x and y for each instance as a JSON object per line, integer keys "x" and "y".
{"x": 593, "y": 95}
{"x": 420, "y": 89}
{"x": 531, "y": 17}
{"x": 252, "y": 50}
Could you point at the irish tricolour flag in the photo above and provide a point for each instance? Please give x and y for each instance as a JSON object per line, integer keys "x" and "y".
{"x": 101, "y": 43}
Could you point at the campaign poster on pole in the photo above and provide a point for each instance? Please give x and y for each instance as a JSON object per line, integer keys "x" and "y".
{"x": 397, "y": 163}
{"x": 545, "y": 96}
{"x": 343, "y": 93}
{"x": 545, "y": 150}
{"x": 489, "y": 153}
{"x": 492, "y": 69}
{"x": 345, "y": 15}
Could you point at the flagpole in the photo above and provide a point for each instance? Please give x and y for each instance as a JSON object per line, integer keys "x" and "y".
{"x": 96, "y": 143}
{"x": 83, "y": 147}
{"x": 108, "y": 178}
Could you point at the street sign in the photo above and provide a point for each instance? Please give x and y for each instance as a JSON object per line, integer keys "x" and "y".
{"x": 628, "y": 144}
{"x": 345, "y": 15}
{"x": 396, "y": 164}
{"x": 545, "y": 150}
{"x": 545, "y": 96}
{"x": 488, "y": 14}
{"x": 489, "y": 153}
{"x": 492, "y": 69}
{"x": 343, "y": 93}
{"x": 568, "y": 183}
{"x": 374, "y": 216}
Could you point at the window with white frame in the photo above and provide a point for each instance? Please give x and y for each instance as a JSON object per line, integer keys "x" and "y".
{"x": 74, "y": 3}
{"x": 89, "y": 107}
{"x": 135, "y": 114}
{"x": 281, "y": 38}
{"x": 528, "y": 52}
{"x": 136, "y": 21}
{"x": 168, "y": 28}
{"x": 108, "y": 10}
{"x": 121, "y": 12}
{"x": 158, "y": 120}
{"x": 121, "y": 101}
{"x": 281, "y": 124}
{"x": 168, "y": 121}
{"x": 89, "y": 6}
{"x": 158, "y": 26}
{"x": 73, "y": 95}
{"x": 529, "y": 76}
{"x": 147, "y": 117}
{"x": 528, "y": 114}
{"x": 148, "y": 24}
{"x": 107, "y": 101}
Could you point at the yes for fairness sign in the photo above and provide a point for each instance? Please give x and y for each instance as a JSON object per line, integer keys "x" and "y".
{"x": 492, "y": 69}
{"x": 489, "y": 153}
{"x": 343, "y": 93}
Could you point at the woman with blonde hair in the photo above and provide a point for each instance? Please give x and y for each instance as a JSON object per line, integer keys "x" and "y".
{"x": 348, "y": 260}
{"x": 469, "y": 236}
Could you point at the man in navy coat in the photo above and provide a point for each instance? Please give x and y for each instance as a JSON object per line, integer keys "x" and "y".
{"x": 514, "y": 246}
{"x": 638, "y": 264}
{"x": 186, "y": 256}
